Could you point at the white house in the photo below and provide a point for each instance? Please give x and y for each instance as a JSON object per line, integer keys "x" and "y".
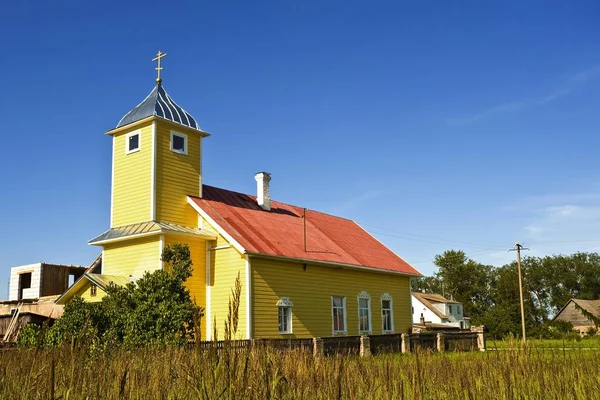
{"x": 435, "y": 309}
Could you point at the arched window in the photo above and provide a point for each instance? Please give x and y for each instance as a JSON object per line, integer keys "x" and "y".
{"x": 364, "y": 313}
{"x": 284, "y": 313}
{"x": 387, "y": 315}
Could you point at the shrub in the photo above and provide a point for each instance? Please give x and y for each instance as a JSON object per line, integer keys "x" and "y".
{"x": 157, "y": 308}
{"x": 592, "y": 331}
{"x": 562, "y": 326}
{"x": 30, "y": 336}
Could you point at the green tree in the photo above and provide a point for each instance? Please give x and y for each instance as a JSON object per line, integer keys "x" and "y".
{"x": 571, "y": 276}
{"x": 491, "y": 295}
{"x": 505, "y": 294}
{"x": 466, "y": 281}
{"x": 429, "y": 284}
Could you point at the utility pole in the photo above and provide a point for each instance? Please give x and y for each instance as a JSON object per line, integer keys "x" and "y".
{"x": 518, "y": 248}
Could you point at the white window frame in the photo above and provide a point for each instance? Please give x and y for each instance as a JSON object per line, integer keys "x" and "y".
{"x": 345, "y": 330}
{"x": 130, "y": 134}
{"x": 364, "y": 296}
{"x": 185, "y": 143}
{"x": 388, "y": 297}
{"x": 285, "y": 304}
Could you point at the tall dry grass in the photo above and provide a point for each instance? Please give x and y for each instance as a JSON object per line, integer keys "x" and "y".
{"x": 196, "y": 373}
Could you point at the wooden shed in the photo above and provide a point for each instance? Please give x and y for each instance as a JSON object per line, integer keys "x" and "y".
{"x": 582, "y": 314}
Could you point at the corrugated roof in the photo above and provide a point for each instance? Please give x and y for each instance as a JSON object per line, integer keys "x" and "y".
{"x": 146, "y": 228}
{"x": 280, "y": 232}
{"x": 104, "y": 281}
{"x": 159, "y": 103}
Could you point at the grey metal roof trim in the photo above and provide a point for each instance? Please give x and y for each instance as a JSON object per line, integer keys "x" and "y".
{"x": 146, "y": 229}
{"x": 159, "y": 103}
{"x": 104, "y": 281}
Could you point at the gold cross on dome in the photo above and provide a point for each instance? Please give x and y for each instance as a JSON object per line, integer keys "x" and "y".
{"x": 159, "y": 55}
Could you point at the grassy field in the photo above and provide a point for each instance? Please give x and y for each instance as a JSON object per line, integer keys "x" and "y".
{"x": 188, "y": 373}
{"x": 592, "y": 342}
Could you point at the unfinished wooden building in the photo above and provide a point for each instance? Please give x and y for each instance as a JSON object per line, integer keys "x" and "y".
{"x": 38, "y": 280}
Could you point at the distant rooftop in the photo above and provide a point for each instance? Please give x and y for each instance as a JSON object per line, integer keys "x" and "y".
{"x": 433, "y": 298}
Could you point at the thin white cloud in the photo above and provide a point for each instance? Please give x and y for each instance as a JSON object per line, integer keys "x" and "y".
{"x": 541, "y": 203}
{"x": 355, "y": 202}
{"x": 535, "y": 230}
{"x": 564, "y": 89}
{"x": 564, "y": 228}
{"x": 563, "y": 211}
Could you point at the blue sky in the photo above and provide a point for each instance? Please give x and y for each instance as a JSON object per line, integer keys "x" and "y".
{"x": 436, "y": 125}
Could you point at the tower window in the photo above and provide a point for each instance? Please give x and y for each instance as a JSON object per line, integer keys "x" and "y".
{"x": 132, "y": 143}
{"x": 179, "y": 143}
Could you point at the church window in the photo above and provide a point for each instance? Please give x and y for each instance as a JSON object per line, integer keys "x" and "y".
{"x": 132, "y": 143}
{"x": 387, "y": 316}
{"x": 179, "y": 143}
{"x": 284, "y": 311}
{"x": 364, "y": 313}
{"x": 338, "y": 314}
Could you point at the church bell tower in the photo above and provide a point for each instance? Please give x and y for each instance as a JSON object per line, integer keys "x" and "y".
{"x": 156, "y": 164}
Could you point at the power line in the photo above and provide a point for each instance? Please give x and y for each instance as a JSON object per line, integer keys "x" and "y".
{"x": 566, "y": 242}
{"x": 431, "y": 239}
{"x": 436, "y": 240}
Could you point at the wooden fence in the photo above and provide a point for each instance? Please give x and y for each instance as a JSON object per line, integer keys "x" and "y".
{"x": 360, "y": 345}
{"x": 461, "y": 341}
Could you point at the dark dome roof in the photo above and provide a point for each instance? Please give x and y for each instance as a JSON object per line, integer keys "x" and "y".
{"x": 160, "y": 104}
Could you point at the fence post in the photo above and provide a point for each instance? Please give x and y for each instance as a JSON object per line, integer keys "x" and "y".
{"x": 317, "y": 347}
{"x": 441, "y": 343}
{"x": 405, "y": 343}
{"x": 480, "y": 337}
{"x": 365, "y": 346}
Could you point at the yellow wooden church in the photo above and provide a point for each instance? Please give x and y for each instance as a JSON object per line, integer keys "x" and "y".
{"x": 304, "y": 273}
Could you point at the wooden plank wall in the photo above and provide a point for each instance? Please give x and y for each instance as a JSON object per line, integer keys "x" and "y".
{"x": 55, "y": 278}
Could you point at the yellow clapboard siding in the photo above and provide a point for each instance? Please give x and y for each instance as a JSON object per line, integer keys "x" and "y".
{"x": 196, "y": 284}
{"x": 225, "y": 265}
{"x": 310, "y": 291}
{"x": 132, "y": 179}
{"x": 132, "y": 257}
{"x": 83, "y": 292}
{"x": 86, "y": 293}
{"x": 177, "y": 176}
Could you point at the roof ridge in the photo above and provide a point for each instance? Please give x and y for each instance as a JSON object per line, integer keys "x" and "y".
{"x": 275, "y": 201}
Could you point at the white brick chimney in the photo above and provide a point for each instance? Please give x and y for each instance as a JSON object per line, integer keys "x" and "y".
{"x": 263, "y": 193}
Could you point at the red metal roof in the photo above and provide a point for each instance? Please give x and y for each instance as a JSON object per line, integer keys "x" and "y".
{"x": 280, "y": 232}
